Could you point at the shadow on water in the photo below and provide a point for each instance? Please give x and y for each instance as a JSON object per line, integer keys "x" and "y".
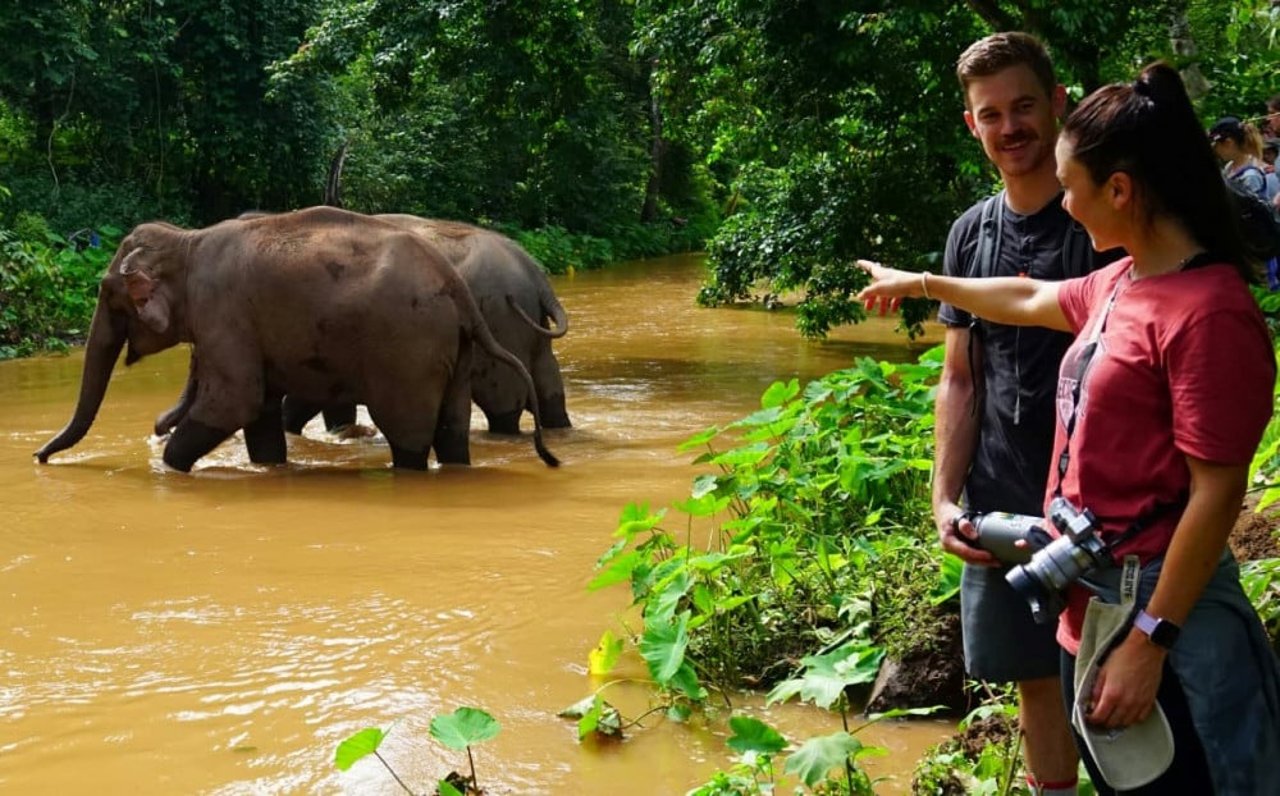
{"x": 220, "y": 632}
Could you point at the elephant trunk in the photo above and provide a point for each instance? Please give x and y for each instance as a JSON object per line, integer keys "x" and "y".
{"x": 106, "y": 338}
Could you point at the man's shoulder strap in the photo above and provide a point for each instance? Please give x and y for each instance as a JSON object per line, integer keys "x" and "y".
{"x": 989, "y": 230}
{"x": 1077, "y": 251}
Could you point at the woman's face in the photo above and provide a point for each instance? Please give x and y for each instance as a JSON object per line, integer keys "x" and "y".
{"x": 1226, "y": 149}
{"x": 1098, "y": 208}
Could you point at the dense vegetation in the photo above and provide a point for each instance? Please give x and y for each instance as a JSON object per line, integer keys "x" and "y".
{"x": 786, "y": 138}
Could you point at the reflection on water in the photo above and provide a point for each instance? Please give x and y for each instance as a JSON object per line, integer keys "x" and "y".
{"x": 221, "y": 631}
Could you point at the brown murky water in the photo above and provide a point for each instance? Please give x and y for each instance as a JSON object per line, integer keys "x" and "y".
{"x": 221, "y": 632}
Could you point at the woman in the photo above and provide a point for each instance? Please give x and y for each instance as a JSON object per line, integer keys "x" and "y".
{"x": 1239, "y": 147}
{"x": 1163, "y": 399}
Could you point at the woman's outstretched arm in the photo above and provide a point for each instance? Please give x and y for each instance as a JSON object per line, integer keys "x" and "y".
{"x": 1011, "y": 300}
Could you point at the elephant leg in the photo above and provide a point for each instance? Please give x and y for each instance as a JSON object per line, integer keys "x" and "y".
{"x": 264, "y": 437}
{"x": 550, "y": 388}
{"x": 339, "y": 416}
{"x": 408, "y": 427}
{"x": 452, "y": 441}
{"x": 168, "y": 420}
{"x": 297, "y": 413}
{"x": 191, "y": 440}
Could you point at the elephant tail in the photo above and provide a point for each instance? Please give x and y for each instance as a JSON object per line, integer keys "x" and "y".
{"x": 554, "y": 311}
{"x": 548, "y": 305}
{"x": 482, "y": 335}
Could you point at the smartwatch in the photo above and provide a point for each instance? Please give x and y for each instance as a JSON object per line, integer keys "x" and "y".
{"x": 1162, "y": 632}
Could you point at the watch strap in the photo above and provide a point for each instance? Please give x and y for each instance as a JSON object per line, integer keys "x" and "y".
{"x": 1162, "y": 632}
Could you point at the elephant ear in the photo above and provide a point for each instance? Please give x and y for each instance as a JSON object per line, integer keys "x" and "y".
{"x": 145, "y": 292}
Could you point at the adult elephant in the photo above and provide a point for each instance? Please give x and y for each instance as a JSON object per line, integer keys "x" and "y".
{"x": 327, "y": 305}
{"x": 517, "y": 303}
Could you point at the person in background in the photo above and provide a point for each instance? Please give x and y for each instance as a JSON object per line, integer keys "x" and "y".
{"x": 1162, "y": 401}
{"x": 994, "y": 406}
{"x": 1271, "y": 125}
{"x": 1239, "y": 147}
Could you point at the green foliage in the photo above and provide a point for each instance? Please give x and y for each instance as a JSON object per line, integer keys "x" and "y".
{"x": 827, "y": 496}
{"x": 358, "y": 747}
{"x": 462, "y": 729}
{"x": 48, "y": 287}
{"x": 1261, "y": 581}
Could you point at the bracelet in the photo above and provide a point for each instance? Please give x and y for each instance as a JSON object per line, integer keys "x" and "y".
{"x": 924, "y": 284}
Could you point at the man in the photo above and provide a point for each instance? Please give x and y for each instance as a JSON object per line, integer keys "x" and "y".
{"x": 1271, "y": 123}
{"x": 996, "y": 398}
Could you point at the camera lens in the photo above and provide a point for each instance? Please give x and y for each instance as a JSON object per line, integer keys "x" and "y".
{"x": 1045, "y": 603}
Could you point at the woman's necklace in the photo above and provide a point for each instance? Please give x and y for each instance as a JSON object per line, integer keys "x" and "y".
{"x": 1182, "y": 264}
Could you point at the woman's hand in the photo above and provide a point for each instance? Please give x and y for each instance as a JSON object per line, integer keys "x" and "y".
{"x": 889, "y": 286}
{"x": 1124, "y": 692}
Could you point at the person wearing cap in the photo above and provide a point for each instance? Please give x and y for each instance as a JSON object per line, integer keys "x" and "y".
{"x": 1162, "y": 401}
{"x": 1239, "y": 147}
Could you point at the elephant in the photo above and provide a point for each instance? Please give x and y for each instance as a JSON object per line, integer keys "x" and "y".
{"x": 330, "y": 306}
{"x": 515, "y": 298}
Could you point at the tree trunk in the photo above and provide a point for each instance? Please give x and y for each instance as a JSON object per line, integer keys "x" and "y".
{"x": 649, "y": 212}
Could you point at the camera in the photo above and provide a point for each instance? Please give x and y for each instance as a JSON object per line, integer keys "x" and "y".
{"x": 1052, "y": 568}
{"x": 999, "y": 533}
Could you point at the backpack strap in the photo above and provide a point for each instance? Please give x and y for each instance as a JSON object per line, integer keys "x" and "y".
{"x": 989, "y": 233}
{"x": 1077, "y": 251}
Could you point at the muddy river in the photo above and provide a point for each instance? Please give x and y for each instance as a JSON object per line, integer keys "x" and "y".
{"x": 220, "y": 632}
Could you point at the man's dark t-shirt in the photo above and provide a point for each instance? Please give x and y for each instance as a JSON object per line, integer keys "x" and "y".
{"x": 1020, "y": 363}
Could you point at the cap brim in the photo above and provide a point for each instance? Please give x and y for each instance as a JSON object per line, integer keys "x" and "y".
{"x": 1133, "y": 756}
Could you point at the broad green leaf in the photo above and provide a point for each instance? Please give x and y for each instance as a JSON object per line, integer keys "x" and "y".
{"x": 824, "y": 677}
{"x": 604, "y": 657}
{"x": 705, "y": 506}
{"x": 779, "y": 393}
{"x": 686, "y": 682}
{"x": 818, "y": 756}
{"x": 636, "y": 518}
{"x": 703, "y": 485}
{"x": 464, "y": 727}
{"x": 752, "y": 735}
{"x": 662, "y": 646}
{"x": 619, "y": 571}
{"x": 699, "y": 439}
{"x": 362, "y": 744}
{"x": 445, "y": 788}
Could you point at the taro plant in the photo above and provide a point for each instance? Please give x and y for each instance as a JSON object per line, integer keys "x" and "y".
{"x": 460, "y": 730}
{"x": 814, "y": 515}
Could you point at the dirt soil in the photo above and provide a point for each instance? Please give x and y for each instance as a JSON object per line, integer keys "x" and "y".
{"x": 1254, "y": 535}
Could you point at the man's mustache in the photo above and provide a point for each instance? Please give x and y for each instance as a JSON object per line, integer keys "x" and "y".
{"x": 1018, "y": 138}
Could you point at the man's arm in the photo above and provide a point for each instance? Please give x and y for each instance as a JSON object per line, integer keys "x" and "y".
{"x": 955, "y": 438}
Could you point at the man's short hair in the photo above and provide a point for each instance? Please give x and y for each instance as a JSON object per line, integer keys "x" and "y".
{"x": 999, "y": 51}
{"x": 1273, "y": 104}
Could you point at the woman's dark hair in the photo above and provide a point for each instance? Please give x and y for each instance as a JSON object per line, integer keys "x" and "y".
{"x": 1149, "y": 130}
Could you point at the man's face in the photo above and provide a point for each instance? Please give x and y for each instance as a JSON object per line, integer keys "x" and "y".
{"x": 1271, "y": 125}
{"x": 1015, "y": 120}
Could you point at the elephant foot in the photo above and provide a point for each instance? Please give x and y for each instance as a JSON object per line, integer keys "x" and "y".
{"x": 504, "y": 422}
{"x": 404, "y": 459}
{"x": 191, "y": 440}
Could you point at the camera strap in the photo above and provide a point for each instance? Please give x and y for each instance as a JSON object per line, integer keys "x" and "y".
{"x": 1086, "y": 356}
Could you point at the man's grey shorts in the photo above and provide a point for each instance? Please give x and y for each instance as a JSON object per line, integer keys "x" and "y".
{"x": 1002, "y": 642}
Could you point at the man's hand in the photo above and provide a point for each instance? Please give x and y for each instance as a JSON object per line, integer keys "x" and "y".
{"x": 953, "y": 531}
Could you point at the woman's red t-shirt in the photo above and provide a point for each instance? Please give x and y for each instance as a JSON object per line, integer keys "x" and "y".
{"x": 1184, "y": 367}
